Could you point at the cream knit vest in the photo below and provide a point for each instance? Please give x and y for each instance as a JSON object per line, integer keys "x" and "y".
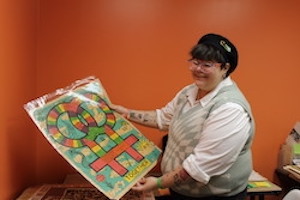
{"x": 184, "y": 132}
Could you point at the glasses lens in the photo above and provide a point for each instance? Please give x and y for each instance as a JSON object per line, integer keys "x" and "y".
{"x": 205, "y": 66}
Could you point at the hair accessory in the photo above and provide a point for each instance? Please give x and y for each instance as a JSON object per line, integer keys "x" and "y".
{"x": 227, "y": 49}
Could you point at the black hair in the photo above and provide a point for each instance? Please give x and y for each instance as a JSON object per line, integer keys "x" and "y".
{"x": 208, "y": 53}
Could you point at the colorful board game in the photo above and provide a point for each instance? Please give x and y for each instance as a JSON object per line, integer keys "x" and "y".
{"x": 98, "y": 142}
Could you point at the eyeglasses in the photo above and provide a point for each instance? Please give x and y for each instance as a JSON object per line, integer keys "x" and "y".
{"x": 206, "y": 66}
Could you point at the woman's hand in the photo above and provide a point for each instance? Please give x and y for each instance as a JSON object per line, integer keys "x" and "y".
{"x": 175, "y": 177}
{"x": 146, "y": 184}
{"x": 120, "y": 109}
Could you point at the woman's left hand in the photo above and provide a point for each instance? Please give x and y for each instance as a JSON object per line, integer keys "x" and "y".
{"x": 146, "y": 184}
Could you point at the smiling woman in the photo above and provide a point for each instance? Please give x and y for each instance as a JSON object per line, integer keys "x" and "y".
{"x": 206, "y": 76}
{"x": 213, "y": 59}
{"x": 210, "y": 127}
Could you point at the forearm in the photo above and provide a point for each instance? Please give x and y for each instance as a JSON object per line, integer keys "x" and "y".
{"x": 176, "y": 177}
{"x": 173, "y": 178}
{"x": 147, "y": 118}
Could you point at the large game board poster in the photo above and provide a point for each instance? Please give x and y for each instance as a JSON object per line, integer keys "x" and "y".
{"x": 98, "y": 142}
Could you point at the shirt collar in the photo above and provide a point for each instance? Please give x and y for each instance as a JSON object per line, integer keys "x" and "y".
{"x": 191, "y": 94}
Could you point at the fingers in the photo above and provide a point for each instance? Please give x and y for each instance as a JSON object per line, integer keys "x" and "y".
{"x": 143, "y": 180}
{"x": 139, "y": 185}
{"x": 139, "y": 188}
{"x": 119, "y": 109}
{"x": 145, "y": 185}
{"x": 112, "y": 106}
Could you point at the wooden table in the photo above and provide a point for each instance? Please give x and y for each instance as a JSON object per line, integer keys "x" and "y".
{"x": 288, "y": 180}
{"x": 75, "y": 186}
{"x": 260, "y": 192}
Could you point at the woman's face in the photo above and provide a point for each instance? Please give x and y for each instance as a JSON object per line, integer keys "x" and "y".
{"x": 207, "y": 74}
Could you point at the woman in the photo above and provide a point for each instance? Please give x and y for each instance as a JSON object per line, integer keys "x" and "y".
{"x": 210, "y": 129}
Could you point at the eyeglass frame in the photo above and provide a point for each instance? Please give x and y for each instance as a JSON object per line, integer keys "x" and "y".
{"x": 205, "y": 66}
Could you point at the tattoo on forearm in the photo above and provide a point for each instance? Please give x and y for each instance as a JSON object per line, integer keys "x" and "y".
{"x": 131, "y": 115}
{"x": 136, "y": 116}
{"x": 180, "y": 177}
{"x": 177, "y": 180}
{"x": 147, "y": 118}
{"x": 183, "y": 174}
{"x": 143, "y": 117}
{"x": 140, "y": 116}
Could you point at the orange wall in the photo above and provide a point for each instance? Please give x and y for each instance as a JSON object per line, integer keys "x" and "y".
{"x": 139, "y": 50}
{"x": 17, "y": 80}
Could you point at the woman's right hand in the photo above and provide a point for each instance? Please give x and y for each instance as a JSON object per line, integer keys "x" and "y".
{"x": 120, "y": 109}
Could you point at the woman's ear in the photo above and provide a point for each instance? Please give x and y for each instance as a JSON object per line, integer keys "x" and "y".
{"x": 227, "y": 66}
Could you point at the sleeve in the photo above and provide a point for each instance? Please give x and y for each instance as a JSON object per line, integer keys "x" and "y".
{"x": 224, "y": 134}
{"x": 166, "y": 113}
